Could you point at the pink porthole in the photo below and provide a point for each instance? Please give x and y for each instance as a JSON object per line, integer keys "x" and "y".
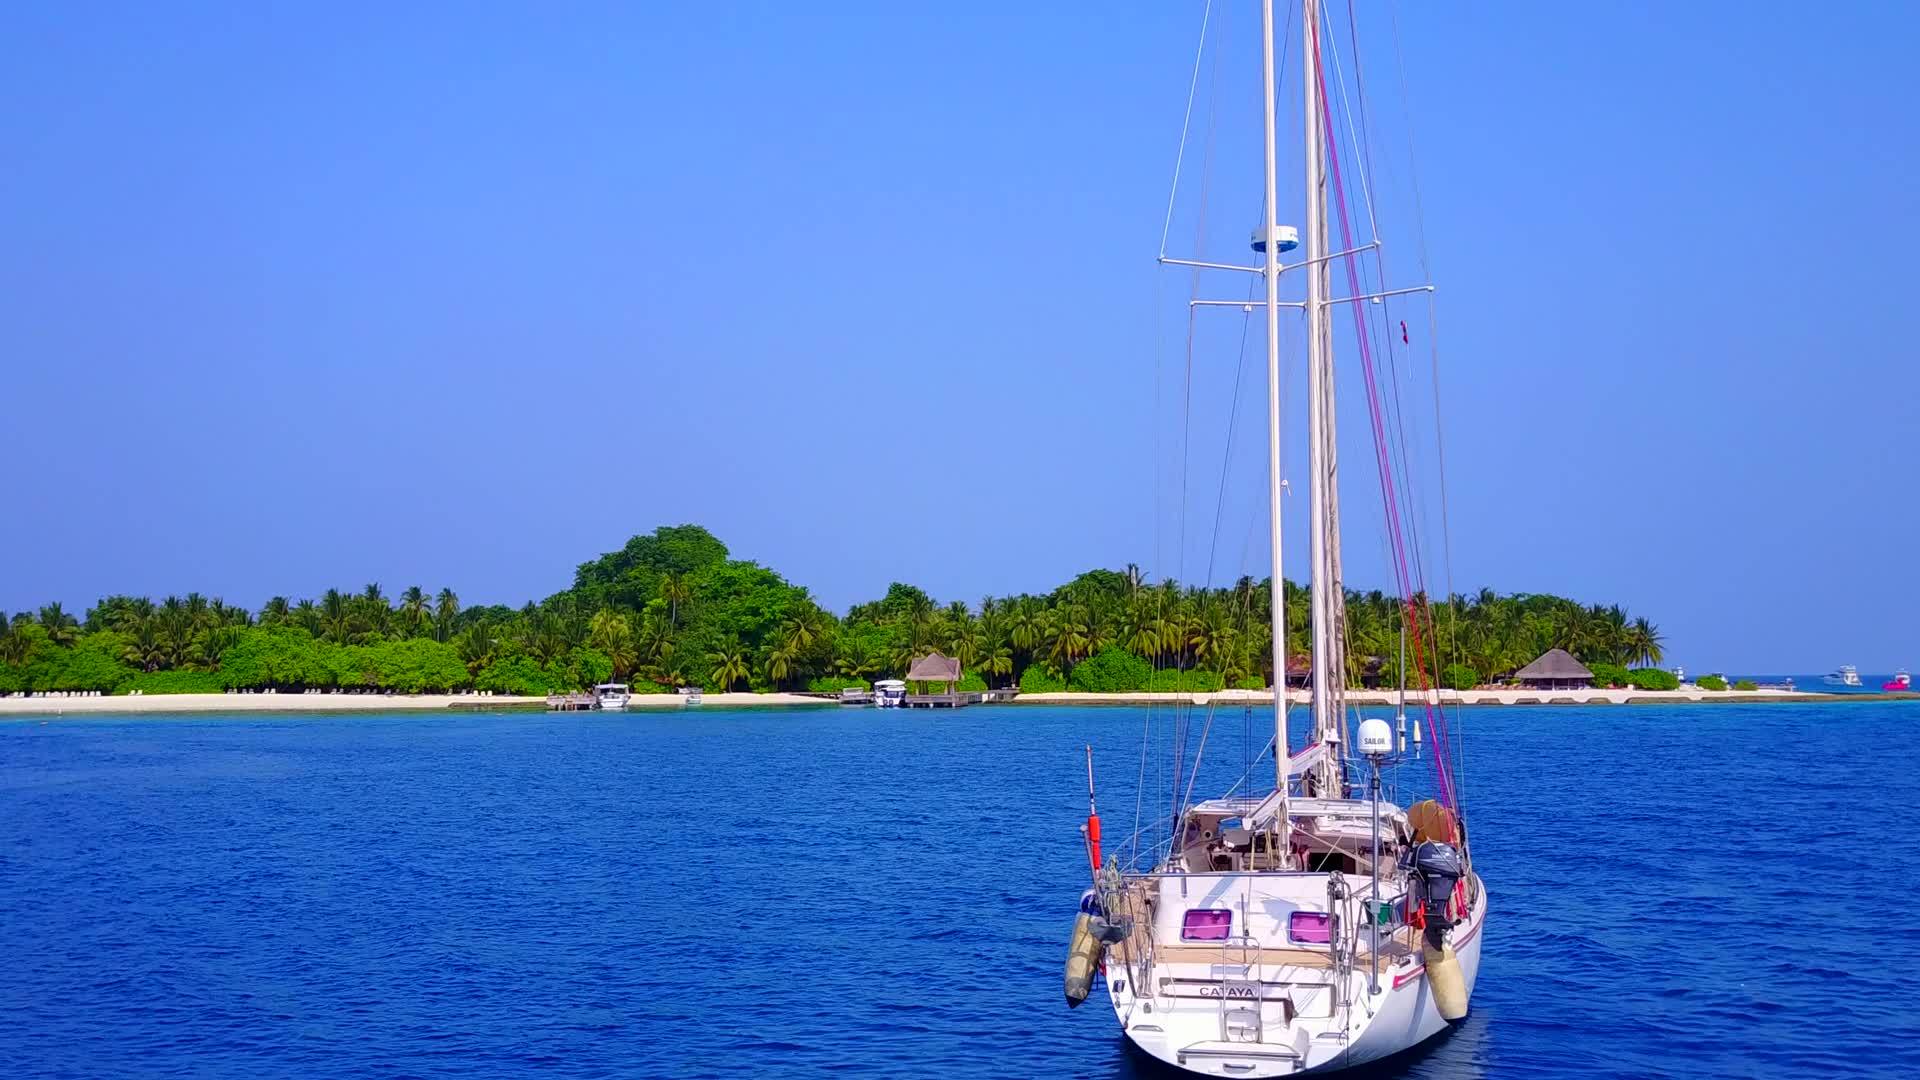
{"x": 1310, "y": 927}
{"x": 1206, "y": 924}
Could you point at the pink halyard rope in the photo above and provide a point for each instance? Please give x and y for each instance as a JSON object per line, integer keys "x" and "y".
{"x": 1436, "y": 721}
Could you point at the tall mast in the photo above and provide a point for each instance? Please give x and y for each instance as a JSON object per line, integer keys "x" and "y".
{"x": 1272, "y": 274}
{"x": 1336, "y": 590}
{"x": 1316, "y": 361}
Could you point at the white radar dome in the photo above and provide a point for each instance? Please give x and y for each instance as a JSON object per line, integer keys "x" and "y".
{"x": 1376, "y": 736}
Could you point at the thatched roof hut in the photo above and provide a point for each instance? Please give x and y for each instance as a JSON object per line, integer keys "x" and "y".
{"x": 1556, "y": 669}
{"x": 934, "y": 668}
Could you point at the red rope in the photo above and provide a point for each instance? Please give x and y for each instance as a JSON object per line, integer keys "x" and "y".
{"x": 1436, "y": 720}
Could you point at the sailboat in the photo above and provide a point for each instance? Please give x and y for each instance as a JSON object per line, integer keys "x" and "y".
{"x": 1316, "y": 926}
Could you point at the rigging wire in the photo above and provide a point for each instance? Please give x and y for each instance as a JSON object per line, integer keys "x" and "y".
{"x": 1404, "y": 475}
{"x": 1382, "y": 450}
{"x": 1182, "y": 714}
{"x": 1419, "y": 600}
{"x": 1179, "y": 158}
{"x": 1233, "y": 416}
{"x": 1346, "y": 108}
{"x": 1433, "y": 345}
{"x": 1173, "y": 189}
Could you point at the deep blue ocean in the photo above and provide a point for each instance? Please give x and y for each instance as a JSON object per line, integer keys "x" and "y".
{"x": 1715, "y": 890}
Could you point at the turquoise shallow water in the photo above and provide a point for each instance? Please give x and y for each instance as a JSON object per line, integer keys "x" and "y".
{"x": 1686, "y": 891}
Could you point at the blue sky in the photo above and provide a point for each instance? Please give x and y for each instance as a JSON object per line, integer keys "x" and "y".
{"x": 302, "y": 296}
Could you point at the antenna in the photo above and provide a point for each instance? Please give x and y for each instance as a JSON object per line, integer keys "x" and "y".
{"x": 1376, "y": 742}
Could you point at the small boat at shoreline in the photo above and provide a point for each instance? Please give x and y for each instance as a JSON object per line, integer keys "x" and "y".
{"x": 1900, "y": 681}
{"x": 611, "y": 697}
{"x": 1845, "y": 675}
{"x": 889, "y": 693}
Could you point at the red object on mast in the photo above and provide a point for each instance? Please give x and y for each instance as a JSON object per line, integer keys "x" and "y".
{"x": 1093, "y": 820}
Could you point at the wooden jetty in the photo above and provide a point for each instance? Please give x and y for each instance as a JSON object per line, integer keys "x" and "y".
{"x": 958, "y": 699}
{"x": 570, "y": 702}
{"x": 955, "y": 700}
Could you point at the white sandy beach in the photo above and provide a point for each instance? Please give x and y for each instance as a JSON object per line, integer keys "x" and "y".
{"x": 324, "y": 703}
{"x": 335, "y": 703}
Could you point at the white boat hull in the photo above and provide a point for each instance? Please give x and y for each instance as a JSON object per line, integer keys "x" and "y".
{"x": 1187, "y": 1033}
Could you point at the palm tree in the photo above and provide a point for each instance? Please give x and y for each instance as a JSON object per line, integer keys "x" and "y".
{"x": 336, "y": 617}
{"x": 542, "y": 637}
{"x": 219, "y": 613}
{"x": 855, "y": 661}
{"x": 1170, "y": 626}
{"x": 371, "y": 610}
{"x": 199, "y": 612}
{"x": 177, "y": 630}
{"x": 675, "y": 590}
{"x": 1643, "y": 643}
{"x": 61, "y": 627}
{"x": 212, "y": 644}
{"x": 307, "y": 617}
{"x": 275, "y": 611}
{"x": 1210, "y": 636}
{"x": 476, "y": 646}
{"x": 446, "y": 608}
{"x": 967, "y": 646}
{"x": 1072, "y": 637}
{"x": 14, "y": 645}
{"x": 729, "y": 662}
{"x": 612, "y": 634}
{"x": 920, "y": 627}
{"x": 119, "y": 613}
{"x": 996, "y": 659}
{"x": 1025, "y": 628}
{"x": 799, "y": 632}
{"x": 655, "y": 645}
{"x": 146, "y": 651}
{"x": 779, "y": 665}
{"x": 413, "y": 610}
{"x": 1137, "y": 632}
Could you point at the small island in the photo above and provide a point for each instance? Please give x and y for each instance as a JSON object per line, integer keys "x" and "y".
{"x": 673, "y": 609}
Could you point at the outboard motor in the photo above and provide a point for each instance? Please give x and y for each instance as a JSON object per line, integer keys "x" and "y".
{"x": 1439, "y": 868}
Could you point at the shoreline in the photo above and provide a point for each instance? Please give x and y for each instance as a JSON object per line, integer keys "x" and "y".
{"x": 130, "y": 705}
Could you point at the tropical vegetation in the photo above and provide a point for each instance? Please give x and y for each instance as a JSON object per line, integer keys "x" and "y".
{"x": 673, "y": 608}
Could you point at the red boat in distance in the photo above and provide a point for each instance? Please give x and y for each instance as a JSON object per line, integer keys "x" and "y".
{"x": 1900, "y": 681}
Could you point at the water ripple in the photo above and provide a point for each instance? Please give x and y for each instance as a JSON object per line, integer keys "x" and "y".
{"x": 1677, "y": 891}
